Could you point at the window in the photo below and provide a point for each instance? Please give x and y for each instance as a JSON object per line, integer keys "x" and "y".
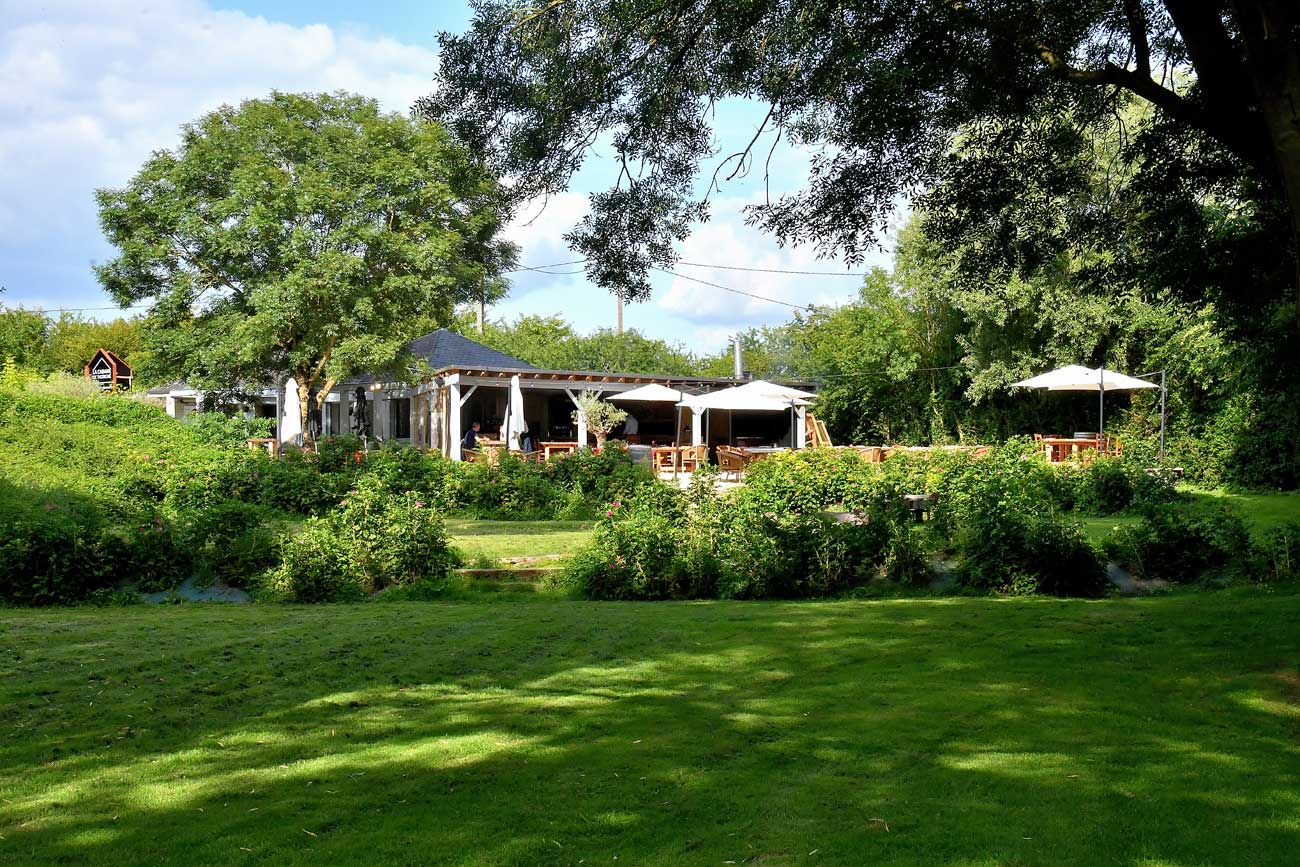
{"x": 399, "y": 418}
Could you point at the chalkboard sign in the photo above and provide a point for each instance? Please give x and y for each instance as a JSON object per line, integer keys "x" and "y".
{"x": 109, "y": 370}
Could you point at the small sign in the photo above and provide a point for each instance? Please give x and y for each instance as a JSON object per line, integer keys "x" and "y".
{"x": 109, "y": 370}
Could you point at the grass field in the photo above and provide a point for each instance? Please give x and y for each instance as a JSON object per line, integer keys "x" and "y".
{"x": 1153, "y": 731}
{"x": 494, "y": 540}
{"x": 1261, "y": 512}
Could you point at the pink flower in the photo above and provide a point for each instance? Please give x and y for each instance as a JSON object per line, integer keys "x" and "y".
{"x": 49, "y": 507}
{"x": 609, "y": 513}
{"x": 419, "y": 504}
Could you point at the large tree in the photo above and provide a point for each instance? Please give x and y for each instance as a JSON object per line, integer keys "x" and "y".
{"x": 886, "y": 91}
{"x": 303, "y": 236}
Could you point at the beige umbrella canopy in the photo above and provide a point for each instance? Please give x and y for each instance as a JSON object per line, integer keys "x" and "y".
{"x": 1075, "y": 377}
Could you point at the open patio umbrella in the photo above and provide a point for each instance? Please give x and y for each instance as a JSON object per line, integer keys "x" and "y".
{"x": 656, "y": 393}
{"x": 1075, "y": 377}
{"x": 757, "y": 396}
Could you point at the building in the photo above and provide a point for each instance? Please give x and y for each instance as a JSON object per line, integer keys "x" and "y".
{"x": 471, "y": 382}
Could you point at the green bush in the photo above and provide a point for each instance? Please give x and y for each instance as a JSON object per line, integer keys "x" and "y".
{"x": 1111, "y": 485}
{"x": 233, "y": 541}
{"x": 1276, "y": 557}
{"x": 999, "y": 514}
{"x": 219, "y": 429}
{"x": 317, "y": 565}
{"x": 665, "y": 544}
{"x": 807, "y": 480}
{"x": 373, "y": 540}
{"x": 1180, "y": 542}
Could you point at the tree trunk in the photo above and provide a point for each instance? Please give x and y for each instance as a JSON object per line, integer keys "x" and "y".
{"x": 304, "y": 408}
{"x": 1267, "y": 28}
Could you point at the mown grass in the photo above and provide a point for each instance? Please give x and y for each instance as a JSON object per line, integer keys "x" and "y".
{"x": 1154, "y": 731}
{"x": 495, "y": 540}
{"x": 1261, "y": 512}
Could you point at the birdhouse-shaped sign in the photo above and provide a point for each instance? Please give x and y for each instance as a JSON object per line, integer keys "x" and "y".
{"x": 109, "y": 370}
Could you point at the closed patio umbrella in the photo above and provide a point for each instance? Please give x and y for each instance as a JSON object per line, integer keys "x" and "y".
{"x": 1075, "y": 377}
{"x": 516, "y": 425}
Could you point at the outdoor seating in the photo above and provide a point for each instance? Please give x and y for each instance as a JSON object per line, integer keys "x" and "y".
{"x": 690, "y": 457}
{"x": 733, "y": 461}
{"x": 663, "y": 459}
{"x": 556, "y": 449}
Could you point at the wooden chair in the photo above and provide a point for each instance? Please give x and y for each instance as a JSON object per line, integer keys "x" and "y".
{"x": 475, "y": 456}
{"x": 690, "y": 457}
{"x": 663, "y": 459}
{"x": 733, "y": 461}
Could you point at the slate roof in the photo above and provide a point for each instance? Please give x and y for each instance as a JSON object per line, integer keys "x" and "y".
{"x": 443, "y": 348}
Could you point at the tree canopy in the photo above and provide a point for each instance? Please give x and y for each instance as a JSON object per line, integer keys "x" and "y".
{"x": 300, "y": 235}
{"x": 899, "y": 98}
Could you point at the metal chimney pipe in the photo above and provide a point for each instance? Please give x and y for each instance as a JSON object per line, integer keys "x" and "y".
{"x": 738, "y": 357}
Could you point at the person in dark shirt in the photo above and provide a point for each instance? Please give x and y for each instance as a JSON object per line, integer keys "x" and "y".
{"x": 471, "y": 437}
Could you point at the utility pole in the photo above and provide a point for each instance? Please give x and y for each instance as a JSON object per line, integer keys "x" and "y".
{"x": 619, "y": 295}
{"x": 482, "y": 303}
{"x": 738, "y": 357}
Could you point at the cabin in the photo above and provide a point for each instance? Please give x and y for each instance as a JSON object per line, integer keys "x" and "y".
{"x": 471, "y": 383}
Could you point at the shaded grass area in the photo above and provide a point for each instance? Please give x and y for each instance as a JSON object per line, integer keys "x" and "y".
{"x": 1154, "y": 731}
{"x": 1261, "y": 512}
{"x": 494, "y": 540}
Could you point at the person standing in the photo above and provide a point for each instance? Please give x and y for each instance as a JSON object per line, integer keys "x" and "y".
{"x": 471, "y": 437}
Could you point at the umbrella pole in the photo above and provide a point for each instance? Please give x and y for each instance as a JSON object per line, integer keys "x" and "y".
{"x": 1162, "y": 418}
{"x": 1101, "y": 405}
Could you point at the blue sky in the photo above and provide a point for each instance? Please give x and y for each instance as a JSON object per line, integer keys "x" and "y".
{"x": 89, "y": 89}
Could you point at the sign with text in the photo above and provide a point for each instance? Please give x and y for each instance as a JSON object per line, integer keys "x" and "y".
{"x": 109, "y": 370}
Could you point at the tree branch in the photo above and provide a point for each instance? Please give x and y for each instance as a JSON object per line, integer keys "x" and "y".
{"x": 1137, "y": 32}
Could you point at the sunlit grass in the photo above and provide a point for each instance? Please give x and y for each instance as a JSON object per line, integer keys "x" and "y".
{"x": 494, "y": 540}
{"x": 965, "y": 731}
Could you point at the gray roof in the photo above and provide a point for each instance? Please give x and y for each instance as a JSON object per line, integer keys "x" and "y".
{"x": 443, "y": 348}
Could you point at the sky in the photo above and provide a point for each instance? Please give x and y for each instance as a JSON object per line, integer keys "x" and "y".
{"x": 89, "y": 88}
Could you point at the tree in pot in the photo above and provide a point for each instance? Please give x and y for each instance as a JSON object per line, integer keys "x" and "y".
{"x": 602, "y": 417}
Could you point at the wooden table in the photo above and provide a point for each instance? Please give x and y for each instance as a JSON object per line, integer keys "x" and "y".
{"x": 557, "y": 448}
{"x": 1059, "y": 449}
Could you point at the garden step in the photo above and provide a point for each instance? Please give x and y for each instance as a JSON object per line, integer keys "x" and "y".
{"x": 534, "y": 573}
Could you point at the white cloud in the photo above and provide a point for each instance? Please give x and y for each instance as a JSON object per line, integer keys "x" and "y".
{"x": 89, "y": 89}
{"x": 726, "y": 240}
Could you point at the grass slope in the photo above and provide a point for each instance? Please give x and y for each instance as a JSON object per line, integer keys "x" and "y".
{"x": 1158, "y": 731}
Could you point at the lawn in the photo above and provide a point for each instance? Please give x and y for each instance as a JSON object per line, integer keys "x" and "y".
{"x": 1261, "y": 512}
{"x": 1153, "y": 731}
{"x": 495, "y": 540}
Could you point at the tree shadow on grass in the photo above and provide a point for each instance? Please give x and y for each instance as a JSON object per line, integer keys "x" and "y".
{"x": 962, "y": 731}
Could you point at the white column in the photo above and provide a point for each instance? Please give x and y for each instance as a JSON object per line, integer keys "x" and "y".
{"x": 171, "y": 406}
{"x": 582, "y": 431}
{"x": 801, "y": 427}
{"x": 453, "y": 420}
{"x": 697, "y": 426}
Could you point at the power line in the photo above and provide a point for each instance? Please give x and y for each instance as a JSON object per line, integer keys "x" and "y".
{"x": 79, "y": 309}
{"x": 774, "y": 270}
{"x": 542, "y": 269}
{"x": 729, "y": 289}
